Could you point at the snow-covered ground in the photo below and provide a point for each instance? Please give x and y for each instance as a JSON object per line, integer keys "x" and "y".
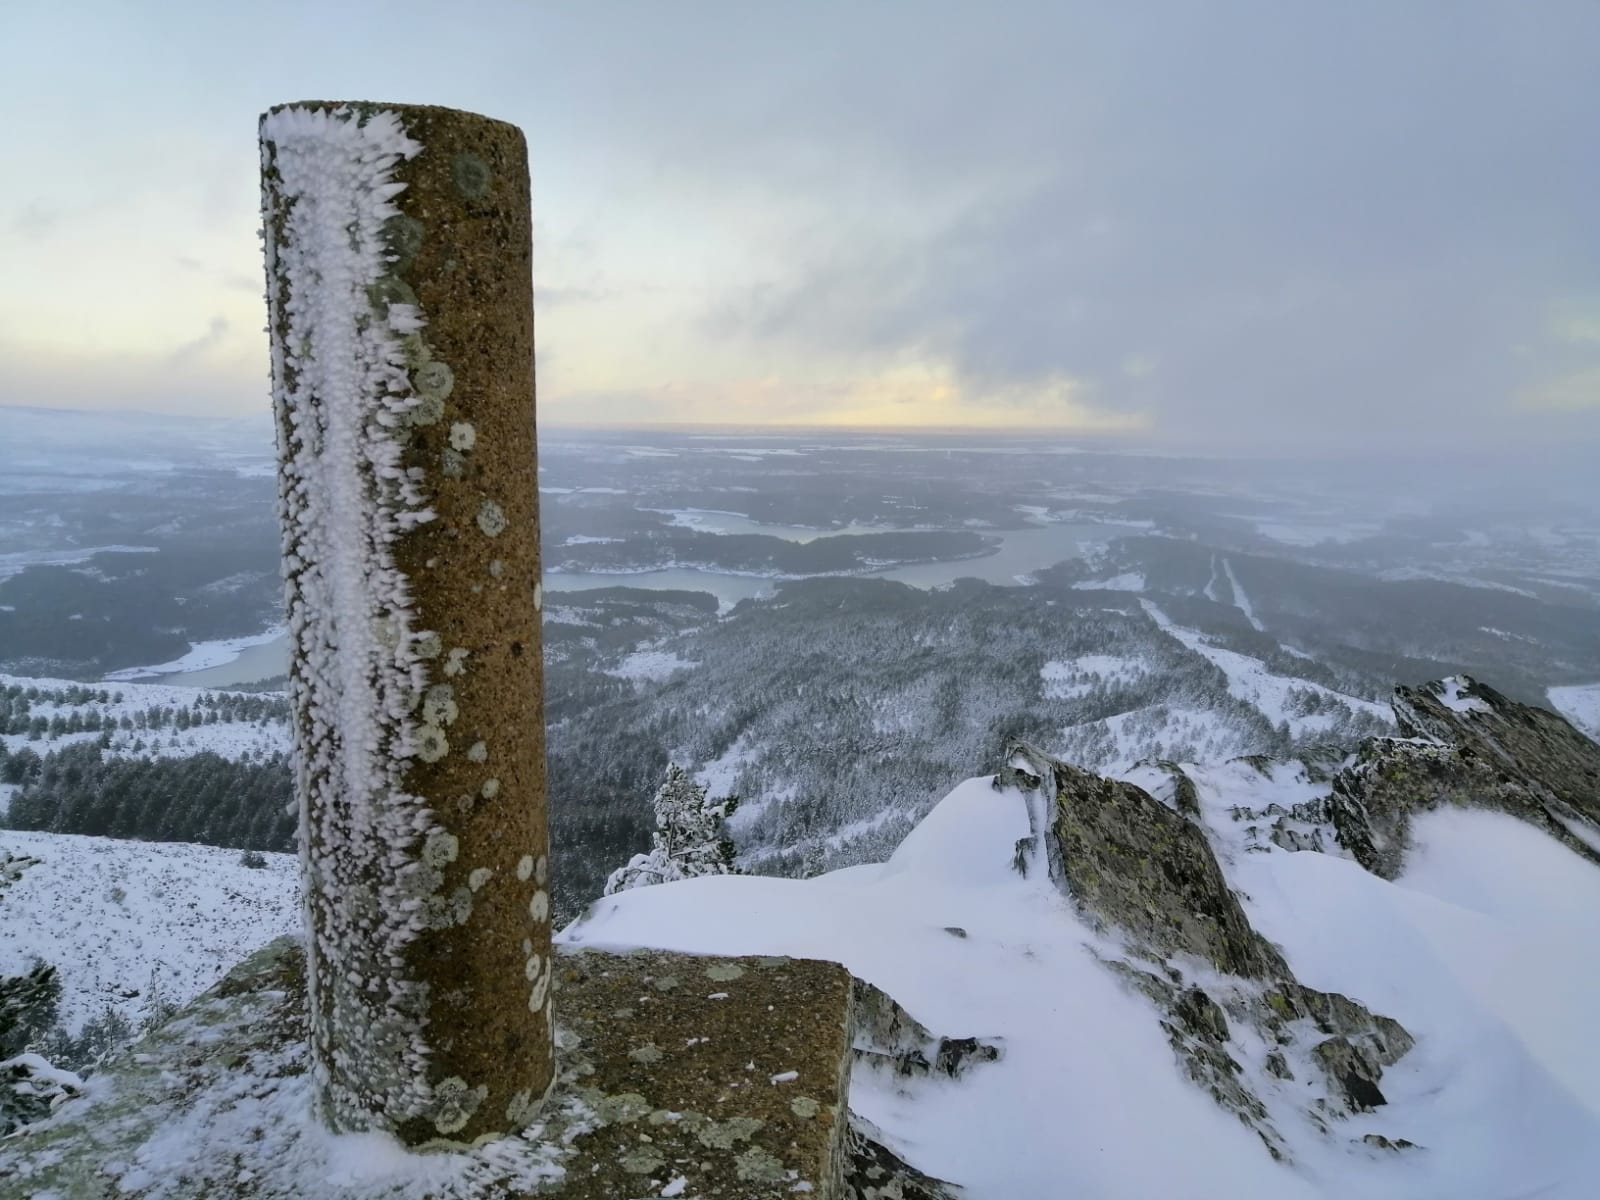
{"x": 1071, "y": 678}
{"x": 229, "y": 739}
{"x": 1483, "y": 949}
{"x": 116, "y": 917}
{"x": 1250, "y": 681}
{"x": 1580, "y": 705}
{"x": 1131, "y": 581}
{"x": 1043, "y": 1121}
{"x": 1116, "y": 743}
{"x": 652, "y": 664}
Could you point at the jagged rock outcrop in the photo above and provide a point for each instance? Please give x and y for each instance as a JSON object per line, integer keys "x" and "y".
{"x": 887, "y": 1035}
{"x": 1145, "y": 875}
{"x": 874, "y": 1172}
{"x": 1466, "y": 744}
{"x": 1135, "y": 864}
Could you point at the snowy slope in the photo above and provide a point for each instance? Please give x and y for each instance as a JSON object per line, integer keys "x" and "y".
{"x": 229, "y": 739}
{"x": 1580, "y": 705}
{"x": 114, "y": 915}
{"x": 1483, "y": 949}
{"x": 1037, "y": 1123}
{"x": 1250, "y": 680}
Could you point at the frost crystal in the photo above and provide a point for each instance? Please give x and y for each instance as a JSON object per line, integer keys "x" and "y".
{"x": 344, "y": 332}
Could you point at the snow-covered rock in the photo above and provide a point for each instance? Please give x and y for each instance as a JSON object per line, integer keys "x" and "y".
{"x": 1465, "y": 744}
{"x": 1180, "y": 997}
{"x": 1192, "y": 1002}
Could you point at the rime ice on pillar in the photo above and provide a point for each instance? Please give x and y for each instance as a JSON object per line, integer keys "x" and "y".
{"x": 400, "y": 302}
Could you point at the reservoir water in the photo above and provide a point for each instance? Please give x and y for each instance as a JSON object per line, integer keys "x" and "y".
{"x": 1022, "y": 552}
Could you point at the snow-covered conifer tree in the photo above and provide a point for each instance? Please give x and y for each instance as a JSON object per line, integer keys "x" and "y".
{"x": 690, "y": 838}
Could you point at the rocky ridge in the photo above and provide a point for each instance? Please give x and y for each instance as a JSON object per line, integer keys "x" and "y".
{"x": 1149, "y": 863}
{"x": 1146, "y": 877}
{"x": 1464, "y": 743}
{"x": 1141, "y": 865}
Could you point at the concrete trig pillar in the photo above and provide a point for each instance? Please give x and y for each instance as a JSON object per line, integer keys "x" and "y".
{"x": 400, "y": 305}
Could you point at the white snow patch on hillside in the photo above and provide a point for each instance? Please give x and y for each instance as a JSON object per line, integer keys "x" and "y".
{"x": 1240, "y": 599}
{"x": 1309, "y": 534}
{"x": 1414, "y": 574}
{"x": 1250, "y": 681}
{"x": 1071, "y": 678}
{"x": 650, "y": 664}
{"x": 1131, "y": 581}
{"x": 1453, "y": 699}
{"x": 1580, "y": 705}
{"x": 720, "y": 776}
{"x": 113, "y": 915}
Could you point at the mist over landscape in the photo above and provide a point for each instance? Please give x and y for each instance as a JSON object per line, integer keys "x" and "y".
{"x": 747, "y": 602}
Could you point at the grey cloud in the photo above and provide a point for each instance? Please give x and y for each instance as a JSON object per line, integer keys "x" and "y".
{"x": 216, "y": 332}
{"x": 1315, "y": 220}
{"x": 36, "y": 219}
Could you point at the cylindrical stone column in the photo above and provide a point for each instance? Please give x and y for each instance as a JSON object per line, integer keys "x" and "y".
{"x": 399, "y": 295}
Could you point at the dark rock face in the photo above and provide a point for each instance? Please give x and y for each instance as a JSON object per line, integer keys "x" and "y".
{"x": 1352, "y": 1068}
{"x": 1233, "y": 1012}
{"x": 1133, "y": 863}
{"x": 874, "y": 1172}
{"x": 887, "y": 1035}
{"x": 1473, "y": 747}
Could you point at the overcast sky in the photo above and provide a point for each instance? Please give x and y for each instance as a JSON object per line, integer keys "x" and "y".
{"x": 1266, "y": 224}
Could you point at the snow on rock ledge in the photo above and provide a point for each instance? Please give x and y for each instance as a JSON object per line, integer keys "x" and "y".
{"x": 1469, "y": 746}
